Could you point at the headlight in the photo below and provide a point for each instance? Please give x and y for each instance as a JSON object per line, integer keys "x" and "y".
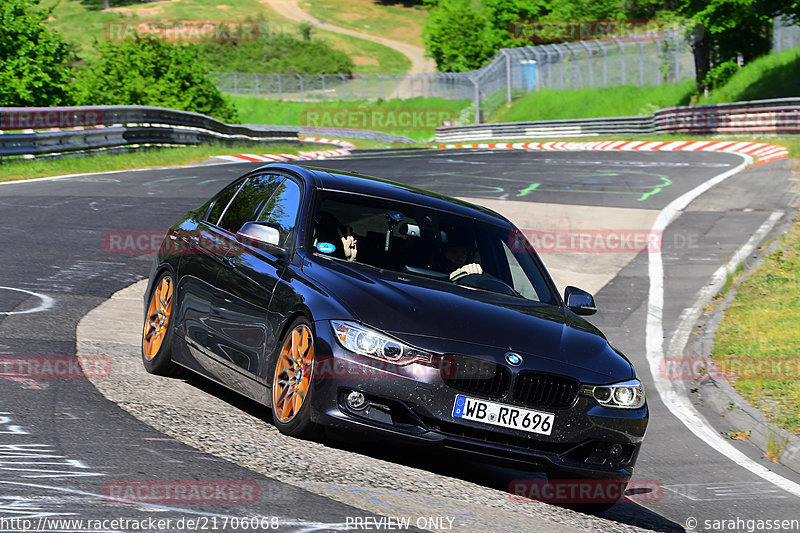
{"x": 625, "y": 395}
{"x": 366, "y": 341}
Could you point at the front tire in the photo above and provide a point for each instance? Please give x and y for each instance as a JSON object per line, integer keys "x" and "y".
{"x": 158, "y": 328}
{"x": 292, "y": 382}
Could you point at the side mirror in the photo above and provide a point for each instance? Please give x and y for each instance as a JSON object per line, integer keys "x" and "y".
{"x": 579, "y": 301}
{"x": 261, "y": 232}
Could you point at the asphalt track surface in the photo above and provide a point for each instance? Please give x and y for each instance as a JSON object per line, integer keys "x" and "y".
{"x": 74, "y": 441}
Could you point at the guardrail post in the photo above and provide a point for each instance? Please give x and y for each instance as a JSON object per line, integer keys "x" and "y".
{"x": 280, "y": 88}
{"x": 302, "y": 89}
{"x": 621, "y": 60}
{"x": 508, "y": 73}
{"x": 605, "y": 61}
{"x": 641, "y": 64}
{"x": 235, "y": 84}
{"x": 477, "y": 99}
{"x": 560, "y": 64}
{"x": 589, "y": 61}
{"x": 676, "y": 40}
{"x": 255, "y": 76}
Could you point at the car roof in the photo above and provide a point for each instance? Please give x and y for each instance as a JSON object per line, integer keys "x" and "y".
{"x": 352, "y": 182}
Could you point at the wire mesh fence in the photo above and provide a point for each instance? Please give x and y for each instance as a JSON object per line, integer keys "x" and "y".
{"x": 647, "y": 59}
{"x": 785, "y": 35}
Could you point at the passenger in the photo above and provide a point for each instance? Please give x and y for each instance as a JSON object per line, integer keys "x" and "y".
{"x": 332, "y": 232}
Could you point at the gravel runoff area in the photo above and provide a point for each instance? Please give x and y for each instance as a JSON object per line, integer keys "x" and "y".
{"x": 374, "y": 477}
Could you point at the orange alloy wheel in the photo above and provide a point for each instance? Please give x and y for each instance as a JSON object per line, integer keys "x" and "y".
{"x": 158, "y": 313}
{"x": 293, "y": 373}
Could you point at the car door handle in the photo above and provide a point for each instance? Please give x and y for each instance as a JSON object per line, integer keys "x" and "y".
{"x": 225, "y": 260}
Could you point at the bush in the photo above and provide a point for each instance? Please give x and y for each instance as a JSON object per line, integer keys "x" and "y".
{"x": 149, "y": 71}
{"x": 721, "y": 74}
{"x": 277, "y": 52}
{"x": 34, "y": 60}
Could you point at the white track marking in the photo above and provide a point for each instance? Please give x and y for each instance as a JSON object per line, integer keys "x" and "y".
{"x": 674, "y": 398}
{"x": 45, "y": 304}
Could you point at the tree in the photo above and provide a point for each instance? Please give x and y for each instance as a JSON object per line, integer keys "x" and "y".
{"x": 149, "y": 71}
{"x": 458, "y": 35}
{"x": 34, "y": 60}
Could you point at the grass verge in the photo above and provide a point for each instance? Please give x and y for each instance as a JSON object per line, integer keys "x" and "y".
{"x": 758, "y": 335}
{"x": 261, "y": 111}
{"x": 770, "y": 76}
{"x": 549, "y": 104}
{"x": 20, "y": 169}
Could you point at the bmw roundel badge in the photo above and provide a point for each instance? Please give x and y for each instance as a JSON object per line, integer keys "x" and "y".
{"x": 513, "y": 359}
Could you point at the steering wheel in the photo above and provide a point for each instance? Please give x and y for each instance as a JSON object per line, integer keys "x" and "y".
{"x": 484, "y": 281}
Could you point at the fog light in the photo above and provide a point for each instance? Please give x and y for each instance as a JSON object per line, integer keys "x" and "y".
{"x": 356, "y": 400}
{"x": 615, "y": 451}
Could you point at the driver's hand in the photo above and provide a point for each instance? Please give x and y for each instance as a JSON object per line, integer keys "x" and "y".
{"x": 349, "y": 245}
{"x": 472, "y": 268}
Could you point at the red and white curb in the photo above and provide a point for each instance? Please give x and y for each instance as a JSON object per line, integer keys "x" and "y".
{"x": 346, "y": 148}
{"x": 761, "y": 152}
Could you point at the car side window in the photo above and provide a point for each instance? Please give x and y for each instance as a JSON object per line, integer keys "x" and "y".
{"x": 248, "y": 200}
{"x": 282, "y": 209}
{"x": 221, "y": 203}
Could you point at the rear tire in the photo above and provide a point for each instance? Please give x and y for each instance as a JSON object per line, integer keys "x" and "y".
{"x": 158, "y": 329}
{"x": 292, "y": 382}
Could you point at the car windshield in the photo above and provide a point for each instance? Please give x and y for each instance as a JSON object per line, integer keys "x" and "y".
{"x": 427, "y": 242}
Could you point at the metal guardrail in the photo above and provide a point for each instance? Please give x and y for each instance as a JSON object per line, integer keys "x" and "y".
{"x": 759, "y": 116}
{"x": 348, "y": 133}
{"x": 548, "y": 128}
{"x": 45, "y": 130}
{"x": 60, "y": 130}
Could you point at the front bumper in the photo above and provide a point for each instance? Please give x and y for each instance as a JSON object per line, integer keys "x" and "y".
{"x": 415, "y": 404}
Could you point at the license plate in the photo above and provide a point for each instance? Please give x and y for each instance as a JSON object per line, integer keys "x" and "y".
{"x": 506, "y": 416}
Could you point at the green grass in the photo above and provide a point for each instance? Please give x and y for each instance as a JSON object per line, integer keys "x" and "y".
{"x": 368, "y": 56}
{"x": 19, "y": 169}
{"x": 262, "y": 111}
{"x": 758, "y": 336}
{"x": 549, "y": 104}
{"x": 771, "y": 76}
{"x": 368, "y": 16}
{"x": 82, "y": 24}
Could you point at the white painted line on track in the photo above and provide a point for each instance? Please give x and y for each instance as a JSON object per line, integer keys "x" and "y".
{"x": 45, "y": 304}
{"x": 674, "y": 398}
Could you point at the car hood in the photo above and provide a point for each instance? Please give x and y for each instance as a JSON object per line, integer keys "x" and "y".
{"x": 438, "y": 315}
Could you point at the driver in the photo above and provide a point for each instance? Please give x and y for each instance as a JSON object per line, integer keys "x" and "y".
{"x": 457, "y": 254}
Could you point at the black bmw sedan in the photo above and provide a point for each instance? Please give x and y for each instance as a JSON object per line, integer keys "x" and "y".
{"x": 344, "y": 301}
